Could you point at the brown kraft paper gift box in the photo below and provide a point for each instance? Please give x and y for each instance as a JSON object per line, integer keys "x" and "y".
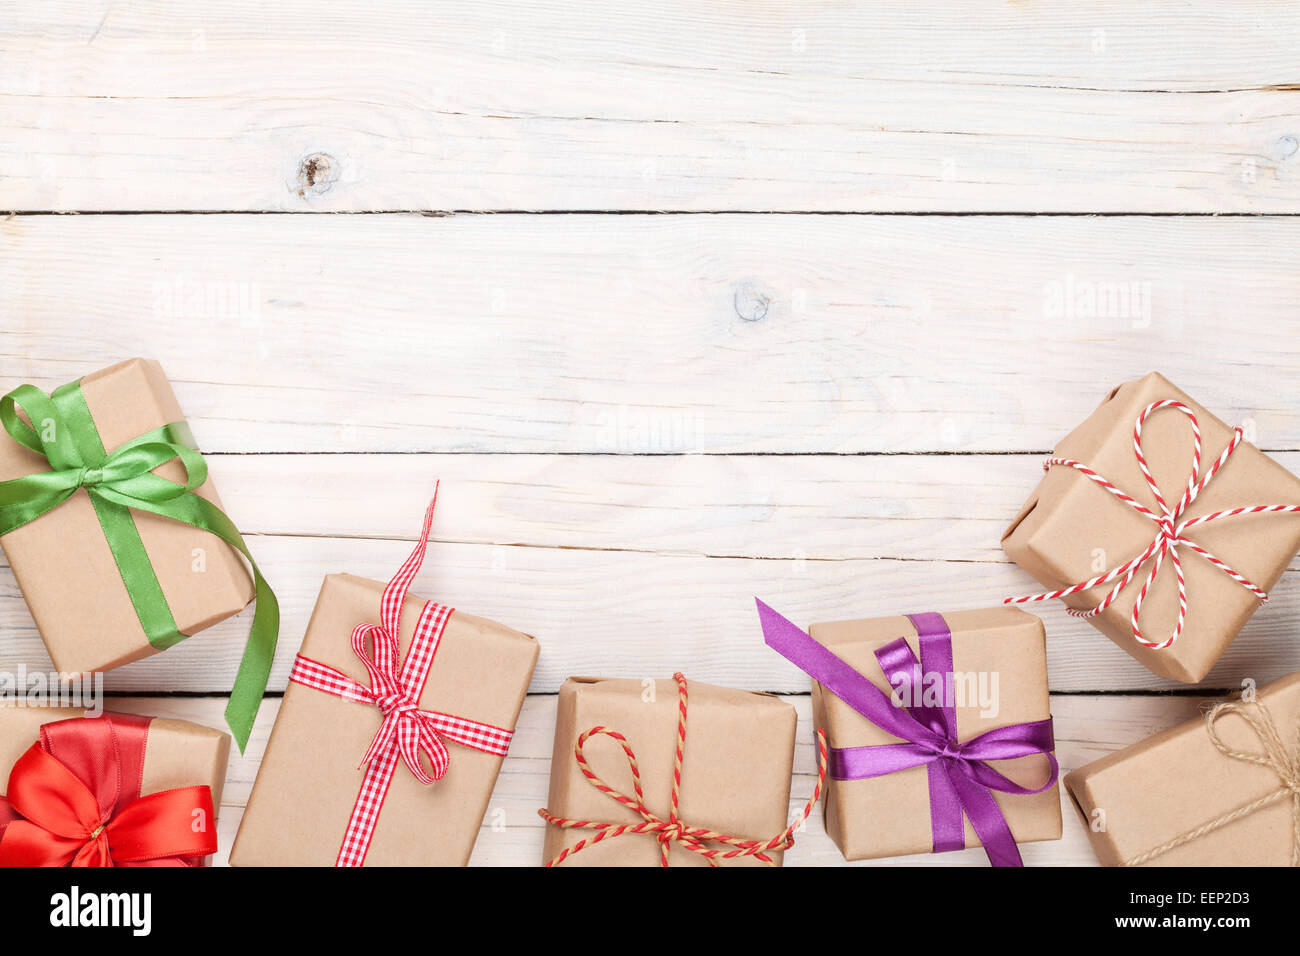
{"x": 177, "y": 753}
{"x": 1139, "y": 799}
{"x": 889, "y": 815}
{"x": 735, "y": 768}
{"x": 62, "y": 560}
{"x": 309, "y": 779}
{"x": 1058, "y": 532}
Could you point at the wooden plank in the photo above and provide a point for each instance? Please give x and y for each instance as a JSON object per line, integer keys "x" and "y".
{"x": 557, "y": 105}
{"x": 650, "y": 614}
{"x": 950, "y": 508}
{"x": 654, "y": 334}
{"x": 1087, "y": 727}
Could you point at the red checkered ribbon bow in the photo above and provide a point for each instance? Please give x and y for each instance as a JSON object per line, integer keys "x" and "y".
{"x": 407, "y": 732}
{"x": 1169, "y": 530}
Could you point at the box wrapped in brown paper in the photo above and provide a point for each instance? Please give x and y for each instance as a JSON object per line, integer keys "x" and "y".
{"x": 309, "y": 779}
{"x": 736, "y": 766}
{"x": 1178, "y": 799}
{"x": 1003, "y": 652}
{"x": 177, "y": 753}
{"x": 62, "y": 560}
{"x": 1070, "y": 529}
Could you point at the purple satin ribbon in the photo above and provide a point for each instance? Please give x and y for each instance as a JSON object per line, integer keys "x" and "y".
{"x": 960, "y": 781}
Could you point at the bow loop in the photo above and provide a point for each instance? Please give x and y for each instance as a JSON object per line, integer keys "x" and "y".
{"x": 127, "y": 474}
{"x": 1274, "y": 752}
{"x": 47, "y": 434}
{"x": 51, "y": 797}
{"x": 376, "y": 647}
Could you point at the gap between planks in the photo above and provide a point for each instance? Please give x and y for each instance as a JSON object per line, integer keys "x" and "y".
{"x": 677, "y": 335}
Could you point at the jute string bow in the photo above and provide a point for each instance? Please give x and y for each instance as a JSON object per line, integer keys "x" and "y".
{"x": 1274, "y": 754}
{"x": 673, "y": 830}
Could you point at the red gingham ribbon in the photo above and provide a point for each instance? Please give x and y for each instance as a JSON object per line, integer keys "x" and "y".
{"x": 406, "y": 732}
{"x": 672, "y": 830}
{"x": 1169, "y": 530}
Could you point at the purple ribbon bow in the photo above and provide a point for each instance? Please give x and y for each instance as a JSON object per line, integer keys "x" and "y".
{"x": 960, "y": 780}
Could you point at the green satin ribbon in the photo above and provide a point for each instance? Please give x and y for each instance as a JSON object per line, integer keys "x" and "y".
{"x": 64, "y": 433}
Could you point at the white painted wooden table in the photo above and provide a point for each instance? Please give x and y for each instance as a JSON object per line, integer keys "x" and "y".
{"x": 674, "y": 297}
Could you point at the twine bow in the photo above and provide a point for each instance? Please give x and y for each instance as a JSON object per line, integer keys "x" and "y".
{"x": 673, "y": 830}
{"x": 406, "y": 732}
{"x": 1273, "y": 754}
{"x": 1170, "y": 531}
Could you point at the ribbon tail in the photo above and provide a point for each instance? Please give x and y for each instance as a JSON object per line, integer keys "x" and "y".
{"x": 945, "y": 810}
{"x": 795, "y": 645}
{"x": 986, "y": 818}
{"x": 259, "y": 651}
{"x": 255, "y": 666}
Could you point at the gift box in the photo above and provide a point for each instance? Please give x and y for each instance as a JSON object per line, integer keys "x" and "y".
{"x": 116, "y": 537}
{"x": 63, "y": 562}
{"x": 939, "y": 728}
{"x": 1077, "y": 528}
{"x": 1216, "y": 790}
{"x": 116, "y": 789}
{"x": 619, "y": 741}
{"x": 313, "y": 805}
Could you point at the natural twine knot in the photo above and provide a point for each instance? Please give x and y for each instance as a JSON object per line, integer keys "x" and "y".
{"x": 97, "y": 832}
{"x": 673, "y": 831}
{"x": 1274, "y": 754}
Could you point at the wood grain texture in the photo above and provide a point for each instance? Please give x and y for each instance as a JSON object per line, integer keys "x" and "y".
{"x": 648, "y": 614}
{"x": 642, "y": 420}
{"x": 652, "y": 334}
{"x": 557, "y": 105}
{"x": 1086, "y": 728}
{"x": 934, "y": 508}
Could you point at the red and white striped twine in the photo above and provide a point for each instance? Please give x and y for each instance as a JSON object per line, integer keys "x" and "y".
{"x": 407, "y": 733}
{"x": 1169, "y": 531}
{"x": 672, "y": 830}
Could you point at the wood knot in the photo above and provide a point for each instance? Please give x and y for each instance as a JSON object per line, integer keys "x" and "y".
{"x": 317, "y": 174}
{"x": 750, "y": 303}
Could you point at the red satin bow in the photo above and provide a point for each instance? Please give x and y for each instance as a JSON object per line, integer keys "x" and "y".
{"x": 83, "y": 807}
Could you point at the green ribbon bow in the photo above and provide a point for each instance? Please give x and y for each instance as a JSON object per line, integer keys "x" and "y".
{"x": 64, "y": 433}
